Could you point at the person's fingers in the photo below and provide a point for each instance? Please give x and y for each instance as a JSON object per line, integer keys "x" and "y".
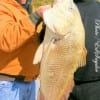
{"x": 42, "y": 9}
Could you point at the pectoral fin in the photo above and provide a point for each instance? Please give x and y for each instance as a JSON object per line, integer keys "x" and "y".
{"x": 82, "y": 60}
{"x": 38, "y": 54}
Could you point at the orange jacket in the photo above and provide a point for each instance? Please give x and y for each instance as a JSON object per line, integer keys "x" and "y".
{"x": 18, "y": 41}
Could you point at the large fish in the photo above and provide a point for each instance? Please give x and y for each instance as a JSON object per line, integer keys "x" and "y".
{"x": 62, "y": 51}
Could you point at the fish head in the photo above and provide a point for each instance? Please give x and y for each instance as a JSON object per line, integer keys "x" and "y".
{"x": 62, "y": 17}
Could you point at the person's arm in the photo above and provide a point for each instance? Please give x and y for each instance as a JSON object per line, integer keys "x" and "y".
{"x": 15, "y": 31}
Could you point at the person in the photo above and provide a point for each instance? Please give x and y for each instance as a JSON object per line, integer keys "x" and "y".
{"x": 87, "y": 78}
{"x": 18, "y": 42}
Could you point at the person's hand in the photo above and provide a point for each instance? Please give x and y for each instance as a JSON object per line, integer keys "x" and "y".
{"x": 37, "y": 16}
{"x": 42, "y": 9}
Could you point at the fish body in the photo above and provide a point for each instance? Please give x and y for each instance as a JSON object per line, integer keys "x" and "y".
{"x": 63, "y": 50}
